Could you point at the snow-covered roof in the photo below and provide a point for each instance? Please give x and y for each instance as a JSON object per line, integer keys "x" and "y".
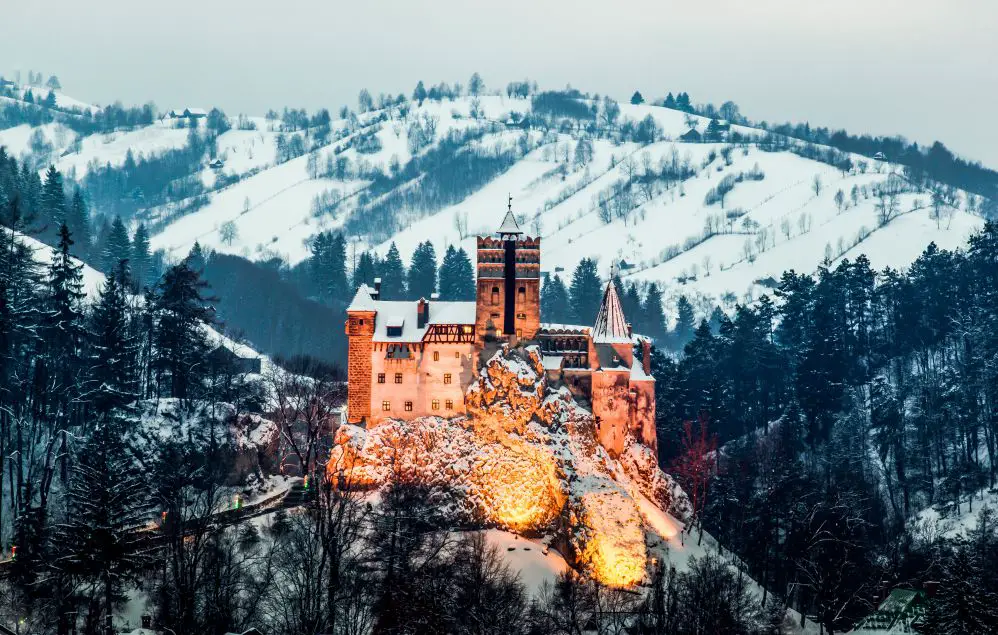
{"x": 196, "y": 112}
{"x": 402, "y": 314}
{"x": 509, "y": 225}
{"x": 610, "y": 326}
{"x": 363, "y": 300}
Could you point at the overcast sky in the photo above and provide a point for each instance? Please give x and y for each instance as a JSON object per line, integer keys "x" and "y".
{"x": 923, "y": 68}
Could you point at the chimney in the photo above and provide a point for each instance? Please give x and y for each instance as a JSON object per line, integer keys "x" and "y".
{"x": 377, "y": 289}
{"x": 434, "y": 296}
{"x": 646, "y": 356}
{"x": 422, "y": 313}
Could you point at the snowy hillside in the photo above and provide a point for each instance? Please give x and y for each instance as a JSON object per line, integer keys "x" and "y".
{"x": 644, "y": 205}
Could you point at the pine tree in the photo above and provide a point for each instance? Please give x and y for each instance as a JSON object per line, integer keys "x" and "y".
{"x": 114, "y": 348}
{"x": 64, "y": 333}
{"x": 654, "y": 314}
{"x": 554, "y": 301}
{"x": 329, "y": 267}
{"x": 422, "y": 281}
{"x": 457, "y": 278}
{"x": 393, "y": 276}
{"x": 106, "y": 501}
{"x": 630, "y": 301}
{"x": 141, "y": 258}
{"x": 419, "y": 94}
{"x": 670, "y": 101}
{"x": 53, "y": 201}
{"x": 197, "y": 259}
{"x": 78, "y": 220}
{"x": 180, "y": 344}
{"x": 685, "y": 323}
{"x": 366, "y": 270}
{"x": 636, "y": 98}
{"x": 117, "y": 246}
{"x": 586, "y": 292}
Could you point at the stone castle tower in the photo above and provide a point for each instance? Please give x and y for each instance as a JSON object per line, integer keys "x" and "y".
{"x": 508, "y": 293}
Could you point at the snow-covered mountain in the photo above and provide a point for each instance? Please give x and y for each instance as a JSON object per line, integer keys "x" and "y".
{"x": 642, "y": 205}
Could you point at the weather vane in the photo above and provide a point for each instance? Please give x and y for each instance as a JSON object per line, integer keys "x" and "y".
{"x": 510, "y": 202}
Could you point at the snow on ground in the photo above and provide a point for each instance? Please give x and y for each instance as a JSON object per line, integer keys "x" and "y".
{"x": 113, "y": 147}
{"x": 945, "y": 521}
{"x": 533, "y": 561}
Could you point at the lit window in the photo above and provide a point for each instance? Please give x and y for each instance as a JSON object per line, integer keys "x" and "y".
{"x": 446, "y": 378}
{"x": 408, "y": 406}
{"x": 466, "y": 329}
{"x": 457, "y": 354}
{"x": 386, "y": 405}
{"x": 436, "y": 356}
{"x": 519, "y": 333}
{"x": 449, "y": 404}
{"x": 435, "y": 404}
{"x": 521, "y": 316}
{"x": 398, "y": 378}
{"x": 381, "y": 378}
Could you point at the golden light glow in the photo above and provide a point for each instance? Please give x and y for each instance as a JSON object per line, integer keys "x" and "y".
{"x": 518, "y": 486}
{"x": 615, "y": 549}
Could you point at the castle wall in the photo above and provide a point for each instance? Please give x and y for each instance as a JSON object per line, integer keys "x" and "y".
{"x": 423, "y": 381}
{"x": 508, "y": 288}
{"x": 611, "y": 403}
{"x": 360, "y": 333}
{"x": 643, "y": 412}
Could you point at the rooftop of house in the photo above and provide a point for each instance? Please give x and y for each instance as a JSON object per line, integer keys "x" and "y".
{"x": 402, "y": 315}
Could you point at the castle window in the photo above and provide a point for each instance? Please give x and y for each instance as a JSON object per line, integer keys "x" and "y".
{"x": 381, "y": 378}
{"x": 398, "y": 378}
{"x": 457, "y": 354}
{"x": 521, "y": 316}
{"x": 447, "y": 378}
{"x": 408, "y": 406}
{"x": 386, "y": 405}
{"x": 449, "y": 404}
{"x": 521, "y": 294}
{"x": 361, "y": 322}
{"x": 519, "y": 333}
{"x": 466, "y": 329}
{"x": 436, "y": 356}
{"x": 495, "y": 295}
{"x": 494, "y": 316}
{"x": 435, "y": 404}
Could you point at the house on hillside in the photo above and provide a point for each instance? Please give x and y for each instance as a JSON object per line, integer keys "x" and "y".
{"x": 224, "y": 361}
{"x": 880, "y": 156}
{"x": 6, "y": 83}
{"x": 216, "y": 164}
{"x": 901, "y": 613}
{"x": 188, "y": 113}
{"x": 691, "y": 136}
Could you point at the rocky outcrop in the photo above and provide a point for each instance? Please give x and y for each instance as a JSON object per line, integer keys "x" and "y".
{"x": 525, "y": 458}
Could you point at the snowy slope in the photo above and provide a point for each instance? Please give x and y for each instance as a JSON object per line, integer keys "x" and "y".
{"x": 764, "y": 228}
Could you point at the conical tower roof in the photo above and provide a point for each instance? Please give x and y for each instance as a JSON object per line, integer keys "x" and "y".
{"x": 611, "y": 326}
{"x": 509, "y": 225}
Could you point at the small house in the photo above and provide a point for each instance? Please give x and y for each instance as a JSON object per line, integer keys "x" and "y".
{"x": 195, "y": 113}
{"x": 224, "y": 361}
{"x": 217, "y": 164}
{"x": 691, "y": 136}
{"x": 626, "y": 266}
{"x": 880, "y": 156}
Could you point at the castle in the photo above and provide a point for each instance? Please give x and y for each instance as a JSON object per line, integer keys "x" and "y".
{"x": 410, "y": 359}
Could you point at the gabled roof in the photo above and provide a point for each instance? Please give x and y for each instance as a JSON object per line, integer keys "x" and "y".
{"x": 509, "y": 225}
{"x": 610, "y": 326}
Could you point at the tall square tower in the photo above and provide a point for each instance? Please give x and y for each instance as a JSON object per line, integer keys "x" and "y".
{"x": 508, "y": 301}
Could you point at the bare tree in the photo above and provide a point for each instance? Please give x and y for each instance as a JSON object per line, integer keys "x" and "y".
{"x": 816, "y": 185}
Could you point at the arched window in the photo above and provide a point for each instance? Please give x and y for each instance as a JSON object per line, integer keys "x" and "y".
{"x": 521, "y": 295}
{"x": 495, "y": 295}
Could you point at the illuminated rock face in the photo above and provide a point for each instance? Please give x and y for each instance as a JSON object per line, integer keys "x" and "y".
{"x": 525, "y": 458}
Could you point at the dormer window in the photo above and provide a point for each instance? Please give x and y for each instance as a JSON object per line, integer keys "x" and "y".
{"x": 393, "y": 328}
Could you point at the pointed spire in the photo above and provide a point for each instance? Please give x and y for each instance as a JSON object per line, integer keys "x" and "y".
{"x": 509, "y": 225}
{"x": 611, "y": 326}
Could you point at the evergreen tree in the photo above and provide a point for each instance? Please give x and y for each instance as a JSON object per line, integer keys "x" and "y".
{"x": 670, "y": 101}
{"x": 98, "y": 545}
{"x": 141, "y": 258}
{"x": 586, "y": 292}
{"x": 197, "y": 259}
{"x": 683, "y": 102}
{"x": 393, "y": 276}
{"x": 114, "y": 347}
{"x": 365, "y": 271}
{"x": 117, "y": 246}
{"x": 636, "y": 98}
{"x": 685, "y": 323}
{"x": 654, "y": 314}
{"x": 630, "y": 301}
{"x": 64, "y": 333}
{"x": 457, "y": 277}
{"x": 554, "y": 301}
{"x": 180, "y": 344}
{"x": 329, "y": 267}
{"x": 53, "y": 201}
{"x": 419, "y": 94}
{"x": 78, "y": 220}
{"x": 422, "y": 281}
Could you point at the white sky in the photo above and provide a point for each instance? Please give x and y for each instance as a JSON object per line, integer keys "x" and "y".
{"x": 923, "y": 68}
